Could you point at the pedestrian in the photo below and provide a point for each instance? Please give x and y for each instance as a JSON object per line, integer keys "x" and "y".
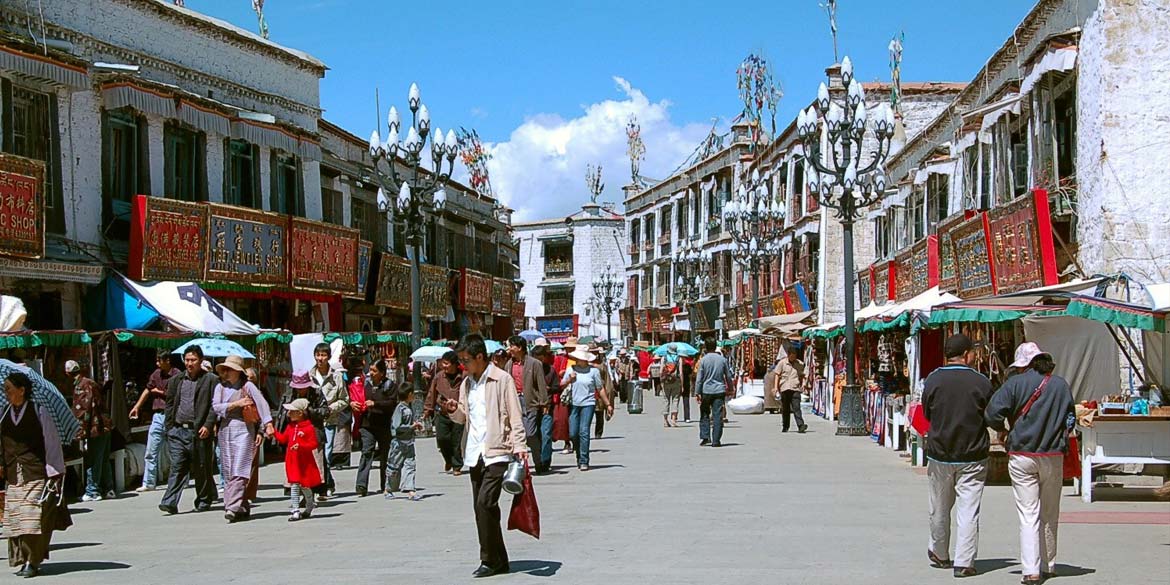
{"x": 376, "y": 411}
{"x": 302, "y": 386}
{"x": 92, "y": 412}
{"x": 330, "y": 382}
{"x": 500, "y": 360}
{"x": 1037, "y": 406}
{"x": 671, "y": 386}
{"x": 494, "y": 434}
{"x": 301, "y": 466}
{"x": 34, "y": 469}
{"x": 253, "y": 489}
{"x": 688, "y": 387}
{"x": 401, "y": 460}
{"x": 444, "y": 388}
{"x": 605, "y": 395}
{"x": 627, "y": 374}
{"x": 528, "y": 374}
{"x": 154, "y": 397}
{"x": 789, "y": 381}
{"x": 656, "y": 375}
{"x": 711, "y": 384}
{"x": 581, "y": 382}
{"x": 242, "y": 412}
{"x": 189, "y": 423}
{"x": 543, "y": 456}
{"x": 956, "y": 454}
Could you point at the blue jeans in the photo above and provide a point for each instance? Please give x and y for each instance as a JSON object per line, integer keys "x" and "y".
{"x": 156, "y": 440}
{"x": 580, "y": 418}
{"x": 711, "y": 418}
{"x": 97, "y": 465}
{"x": 546, "y": 425}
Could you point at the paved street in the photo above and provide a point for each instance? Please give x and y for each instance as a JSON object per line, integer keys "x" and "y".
{"x": 766, "y": 508}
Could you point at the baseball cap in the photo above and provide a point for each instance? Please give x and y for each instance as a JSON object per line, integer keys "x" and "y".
{"x": 72, "y": 366}
{"x": 300, "y": 404}
{"x": 956, "y": 345}
{"x": 1026, "y": 352}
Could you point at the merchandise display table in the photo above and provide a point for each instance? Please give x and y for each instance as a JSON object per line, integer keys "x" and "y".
{"x": 1122, "y": 438}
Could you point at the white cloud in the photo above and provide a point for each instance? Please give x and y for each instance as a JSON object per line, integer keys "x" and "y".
{"x": 540, "y": 170}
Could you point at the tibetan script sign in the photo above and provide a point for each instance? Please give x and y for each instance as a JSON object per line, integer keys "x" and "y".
{"x": 392, "y": 288}
{"x": 917, "y": 269}
{"x": 323, "y": 256}
{"x": 665, "y": 320}
{"x": 475, "y": 291}
{"x": 626, "y": 321}
{"x": 864, "y": 287}
{"x": 502, "y": 294}
{"x": 167, "y": 240}
{"x": 703, "y": 315}
{"x": 642, "y": 320}
{"x": 246, "y": 246}
{"x": 881, "y": 283}
{"x": 1021, "y": 234}
{"x": 364, "y": 259}
{"x": 557, "y": 327}
{"x": 436, "y": 290}
{"x": 519, "y": 319}
{"x": 947, "y": 274}
{"x": 22, "y": 207}
{"x": 972, "y": 258}
{"x": 779, "y": 305}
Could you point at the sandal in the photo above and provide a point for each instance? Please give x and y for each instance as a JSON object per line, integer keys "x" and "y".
{"x": 937, "y": 562}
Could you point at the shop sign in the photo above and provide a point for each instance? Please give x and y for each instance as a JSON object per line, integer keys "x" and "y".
{"x": 323, "y": 256}
{"x": 642, "y": 320}
{"x": 435, "y": 284}
{"x": 475, "y": 291}
{"x": 703, "y": 315}
{"x": 779, "y": 305}
{"x": 364, "y": 259}
{"x": 947, "y": 269}
{"x": 732, "y": 318}
{"x": 246, "y": 246}
{"x": 167, "y": 240}
{"x": 557, "y": 327}
{"x": 917, "y": 269}
{"x": 1021, "y": 241}
{"x": 973, "y": 271}
{"x": 392, "y": 288}
{"x": 22, "y": 207}
{"x": 502, "y": 294}
{"x": 881, "y": 283}
{"x": 519, "y": 319}
{"x": 664, "y": 321}
{"x": 865, "y": 286}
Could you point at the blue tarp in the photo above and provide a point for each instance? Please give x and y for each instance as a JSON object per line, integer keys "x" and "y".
{"x": 112, "y": 306}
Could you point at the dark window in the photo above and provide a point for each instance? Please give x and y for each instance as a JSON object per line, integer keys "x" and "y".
{"x": 332, "y": 210}
{"x": 184, "y": 151}
{"x": 937, "y": 200}
{"x": 363, "y": 216}
{"x": 125, "y": 169}
{"x": 29, "y": 122}
{"x": 242, "y": 174}
{"x": 1065, "y": 108}
{"x": 287, "y": 190}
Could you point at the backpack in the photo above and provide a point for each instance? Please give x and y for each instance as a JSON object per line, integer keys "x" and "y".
{"x": 670, "y": 371}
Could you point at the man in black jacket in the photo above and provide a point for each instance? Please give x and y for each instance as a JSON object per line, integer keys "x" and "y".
{"x": 189, "y": 425}
{"x": 376, "y": 411}
{"x": 956, "y": 451}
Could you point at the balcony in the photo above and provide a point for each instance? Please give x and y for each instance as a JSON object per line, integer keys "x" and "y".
{"x": 635, "y": 248}
{"x": 558, "y": 307}
{"x": 555, "y": 269}
{"x": 664, "y": 240}
{"x": 648, "y": 246}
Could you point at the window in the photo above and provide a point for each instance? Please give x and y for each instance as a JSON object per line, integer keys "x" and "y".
{"x": 937, "y": 200}
{"x": 185, "y": 157}
{"x": 243, "y": 174}
{"x": 125, "y": 169}
{"x": 697, "y": 213}
{"x": 332, "y": 208}
{"x": 558, "y": 301}
{"x": 287, "y": 190}
{"x": 29, "y": 122}
{"x": 363, "y": 215}
{"x": 682, "y": 219}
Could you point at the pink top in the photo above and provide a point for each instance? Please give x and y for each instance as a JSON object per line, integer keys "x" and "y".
{"x": 518, "y": 376}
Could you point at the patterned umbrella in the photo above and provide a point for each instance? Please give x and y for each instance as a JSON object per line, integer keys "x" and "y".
{"x": 44, "y": 394}
{"x": 214, "y": 347}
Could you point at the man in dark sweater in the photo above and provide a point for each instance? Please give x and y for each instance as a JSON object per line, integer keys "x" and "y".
{"x": 956, "y": 451}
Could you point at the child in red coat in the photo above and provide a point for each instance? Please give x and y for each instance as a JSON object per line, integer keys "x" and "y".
{"x": 299, "y": 464}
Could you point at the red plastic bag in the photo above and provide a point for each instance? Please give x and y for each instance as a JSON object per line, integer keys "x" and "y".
{"x": 918, "y": 419}
{"x": 525, "y": 514}
{"x": 1072, "y": 459}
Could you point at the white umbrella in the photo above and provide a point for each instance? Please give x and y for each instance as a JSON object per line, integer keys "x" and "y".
{"x": 429, "y": 353}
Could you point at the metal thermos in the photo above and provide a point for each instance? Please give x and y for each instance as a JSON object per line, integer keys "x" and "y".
{"x": 514, "y": 477}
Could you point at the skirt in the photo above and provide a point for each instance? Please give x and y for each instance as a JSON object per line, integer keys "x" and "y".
{"x": 29, "y": 525}
{"x": 560, "y": 430}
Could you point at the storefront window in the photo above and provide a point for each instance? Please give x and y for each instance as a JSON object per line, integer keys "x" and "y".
{"x": 937, "y": 200}
{"x": 287, "y": 190}
{"x": 30, "y": 130}
{"x": 125, "y": 169}
{"x": 185, "y": 157}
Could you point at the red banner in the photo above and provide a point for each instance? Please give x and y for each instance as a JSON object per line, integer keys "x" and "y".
{"x": 475, "y": 291}
{"x": 22, "y": 207}
{"x": 974, "y": 274}
{"x": 323, "y": 256}
{"x": 167, "y": 239}
{"x": 1022, "y": 245}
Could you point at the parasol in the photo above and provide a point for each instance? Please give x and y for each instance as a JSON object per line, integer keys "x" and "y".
{"x": 44, "y": 394}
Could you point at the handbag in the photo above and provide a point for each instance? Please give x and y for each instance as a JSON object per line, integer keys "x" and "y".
{"x": 250, "y": 414}
{"x": 525, "y": 514}
{"x": 1072, "y": 458}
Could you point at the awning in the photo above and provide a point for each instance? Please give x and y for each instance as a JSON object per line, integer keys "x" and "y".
{"x": 1118, "y": 313}
{"x": 125, "y": 94}
{"x": 784, "y": 324}
{"x": 52, "y": 270}
{"x": 274, "y": 136}
{"x": 184, "y": 305}
{"x": 902, "y": 314}
{"x": 898, "y": 199}
{"x": 937, "y": 168}
{"x": 1062, "y": 59}
{"x": 43, "y": 68}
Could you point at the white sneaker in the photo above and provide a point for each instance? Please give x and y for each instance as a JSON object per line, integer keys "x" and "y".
{"x": 89, "y": 498}
{"x": 145, "y": 488}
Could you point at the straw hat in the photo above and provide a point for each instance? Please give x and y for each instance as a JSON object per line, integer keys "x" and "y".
{"x": 1026, "y": 352}
{"x": 539, "y": 341}
{"x": 300, "y": 404}
{"x": 232, "y": 362}
{"x": 300, "y": 380}
{"x": 581, "y": 354}
{"x": 570, "y": 342}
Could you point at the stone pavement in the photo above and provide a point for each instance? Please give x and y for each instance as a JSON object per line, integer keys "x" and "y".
{"x": 655, "y": 508}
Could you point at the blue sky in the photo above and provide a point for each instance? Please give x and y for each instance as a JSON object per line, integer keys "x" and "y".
{"x": 550, "y": 84}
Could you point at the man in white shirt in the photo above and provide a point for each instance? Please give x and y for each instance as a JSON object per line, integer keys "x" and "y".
{"x": 489, "y": 408}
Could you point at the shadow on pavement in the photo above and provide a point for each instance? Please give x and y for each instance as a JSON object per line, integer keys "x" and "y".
{"x": 992, "y": 565}
{"x": 535, "y": 568}
{"x": 607, "y": 438}
{"x": 1073, "y": 571}
{"x": 51, "y": 568}
{"x": 69, "y": 545}
{"x": 593, "y": 467}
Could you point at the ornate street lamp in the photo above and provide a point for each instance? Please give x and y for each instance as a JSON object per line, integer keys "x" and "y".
{"x": 420, "y": 190}
{"x": 754, "y": 219}
{"x": 607, "y": 296}
{"x": 844, "y": 182}
{"x": 693, "y": 267}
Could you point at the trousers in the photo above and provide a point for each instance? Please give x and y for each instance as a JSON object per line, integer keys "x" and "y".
{"x": 401, "y": 463}
{"x": 579, "y": 417}
{"x": 711, "y": 418}
{"x": 950, "y": 484}
{"x": 1036, "y": 483}
{"x": 375, "y": 445}
{"x": 99, "y": 476}
{"x": 191, "y": 457}
{"x": 486, "y": 482}
{"x": 449, "y": 436}
{"x": 156, "y": 440}
{"x": 789, "y": 406}
{"x": 538, "y": 426}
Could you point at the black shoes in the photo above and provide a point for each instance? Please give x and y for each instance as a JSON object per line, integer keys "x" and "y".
{"x": 28, "y": 571}
{"x": 716, "y": 444}
{"x": 202, "y": 509}
{"x": 168, "y": 510}
{"x": 361, "y": 491}
{"x": 801, "y": 429}
{"x": 486, "y": 571}
{"x": 704, "y": 442}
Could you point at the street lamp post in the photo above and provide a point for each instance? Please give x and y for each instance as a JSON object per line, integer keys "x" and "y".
{"x": 607, "y": 296}
{"x": 754, "y": 219}
{"x": 846, "y": 183}
{"x": 420, "y": 190}
{"x": 694, "y": 275}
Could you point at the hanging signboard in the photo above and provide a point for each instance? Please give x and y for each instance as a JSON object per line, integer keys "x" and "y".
{"x": 664, "y": 321}
{"x": 475, "y": 291}
{"x": 246, "y": 246}
{"x": 502, "y": 296}
{"x": 392, "y": 286}
{"x": 1021, "y": 243}
{"x": 22, "y": 207}
{"x": 435, "y": 286}
{"x": 558, "y": 328}
{"x": 626, "y": 321}
{"x": 883, "y": 288}
{"x": 973, "y": 271}
{"x": 917, "y": 268}
{"x": 947, "y": 272}
{"x": 732, "y": 318}
{"x": 364, "y": 260}
{"x": 519, "y": 318}
{"x": 779, "y": 305}
{"x": 865, "y": 286}
{"x": 167, "y": 240}
{"x": 322, "y": 256}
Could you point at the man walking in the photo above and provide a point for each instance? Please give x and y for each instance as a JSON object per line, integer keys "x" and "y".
{"x": 155, "y": 396}
{"x": 528, "y": 375}
{"x": 331, "y": 384}
{"x": 494, "y": 433}
{"x": 789, "y": 381}
{"x": 444, "y": 390}
{"x": 92, "y": 412}
{"x": 956, "y": 450}
{"x": 711, "y": 386}
{"x": 543, "y": 457}
{"x": 189, "y": 422}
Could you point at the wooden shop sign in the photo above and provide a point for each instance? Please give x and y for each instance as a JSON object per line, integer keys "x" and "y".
{"x": 246, "y": 246}
{"x": 948, "y": 279}
{"x": 435, "y": 285}
{"x": 392, "y": 285}
{"x": 973, "y": 270}
{"x": 167, "y": 239}
{"x": 502, "y": 295}
{"x": 865, "y": 286}
{"x": 323, "y": 256}
{"x": 1022, "y": 248}
{"x": 626, "y": 321}
{"x": 475, "y": 291}
{"x": 731, "y": 318}
{"x": 883, "y": 283}
{"x": 917, "y": 268}
{"x": 519, "y": 318}
{"x": 22, "y": 207}
{"x": 664, "y": 321}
